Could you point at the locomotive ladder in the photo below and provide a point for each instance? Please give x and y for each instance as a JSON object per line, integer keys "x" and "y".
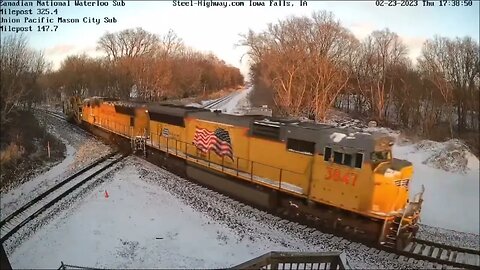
{"x": 404, "y": 221}
{"x": 139, "y": 143}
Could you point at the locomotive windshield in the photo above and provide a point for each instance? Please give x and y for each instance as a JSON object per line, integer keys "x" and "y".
{"x": 381, "y": 156}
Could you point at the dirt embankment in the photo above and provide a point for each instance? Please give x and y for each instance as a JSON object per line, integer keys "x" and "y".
{"x": 24, "y": 149}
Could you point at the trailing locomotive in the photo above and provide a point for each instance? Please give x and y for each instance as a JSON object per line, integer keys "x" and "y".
{"x": 344, "y": 180}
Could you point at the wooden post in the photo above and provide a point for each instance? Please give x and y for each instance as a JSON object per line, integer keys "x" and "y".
{"x": 48, "y": 148}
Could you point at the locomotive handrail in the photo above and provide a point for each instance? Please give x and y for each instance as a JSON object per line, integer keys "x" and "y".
{"x": 167, "y": 144}
{"x": 162, "y": 142}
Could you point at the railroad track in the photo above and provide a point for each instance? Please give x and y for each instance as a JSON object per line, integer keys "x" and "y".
{"x": 56, "y": 115}
{"x": 210, "y": 201}
{"x": 222, "y": 100}
{"x": 15, "y": 221}
{"x": 442, "y": 254}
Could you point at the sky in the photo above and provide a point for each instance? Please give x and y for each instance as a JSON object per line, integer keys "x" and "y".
{"x": 218, "y": 29}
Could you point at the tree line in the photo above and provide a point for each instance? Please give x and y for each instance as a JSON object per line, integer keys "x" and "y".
{"x": 154, "y": 67}
{"x": 311, "y": 64}
{"x": 150, "y": 66}
{"x": 21, "y": 70}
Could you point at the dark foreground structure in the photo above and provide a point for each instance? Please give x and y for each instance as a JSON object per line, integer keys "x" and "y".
{"x": 282, "y": 260}
{"x": 297, "y": 260}
{"x": 4, "y": 263}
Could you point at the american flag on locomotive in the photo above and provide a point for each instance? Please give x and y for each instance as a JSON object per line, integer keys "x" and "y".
{"x": 218, "y": 141}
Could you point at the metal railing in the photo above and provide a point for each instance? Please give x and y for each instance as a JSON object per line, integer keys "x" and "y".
{"x": 249, "y": 170}
{"x": 279, "y": 261}
{"x": 64, "y": 266}
{"x": 297, "y": 260}
{"x": 264, "y": 174}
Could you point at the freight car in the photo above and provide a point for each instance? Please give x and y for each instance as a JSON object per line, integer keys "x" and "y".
{"x": 343, "y": 180}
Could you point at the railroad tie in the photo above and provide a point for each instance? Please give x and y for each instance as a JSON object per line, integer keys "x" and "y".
{"x": 444, "y": 255}
{"x": 426, "y": 251}
{"x": 417, "y": 248}
{"x": 460, "y": 258}
{"x": 409, "y": 247}
{"x": 472, "y": 259}
{"x": 435, "y": 253}
{"x": 452, "y": 254}
{"x": 477, "y": 260}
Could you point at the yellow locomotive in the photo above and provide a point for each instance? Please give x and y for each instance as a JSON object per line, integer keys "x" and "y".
{"x": 344, "y": 180}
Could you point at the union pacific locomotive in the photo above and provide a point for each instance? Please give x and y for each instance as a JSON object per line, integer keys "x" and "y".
{"x": 343, "y": 180}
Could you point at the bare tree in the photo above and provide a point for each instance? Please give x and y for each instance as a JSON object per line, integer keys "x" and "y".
{"x": 20, "y": 67}
{"x": 128, "y": 43}
{"x": 305, "y": 60}
{"x": 156, "y": 68}
{"x": 382, "y": 52}
{"x": 452, "y": 66}
{"x": 171, "y": 45}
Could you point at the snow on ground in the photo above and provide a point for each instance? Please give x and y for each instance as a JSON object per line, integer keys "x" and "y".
{"x": 81, "y": 149}
{"x": 154, "y": 219}
{"x": 236, "y": 104}
{"x": 450, "y": 174}
{"x": 451, "y": 199}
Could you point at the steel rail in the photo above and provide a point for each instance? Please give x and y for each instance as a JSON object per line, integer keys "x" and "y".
{"x": 220, "y": 100}
{"x": 442, "y": 254}
{"x": 57, "y": 198}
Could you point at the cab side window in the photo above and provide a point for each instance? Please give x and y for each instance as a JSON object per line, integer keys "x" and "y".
{"x": 358, "y": 160}
{"x": 337, "y": 157}
{"x": 347, "y": 159}
{"x": 351, "y": 160}
{"x": 327, "y": 153}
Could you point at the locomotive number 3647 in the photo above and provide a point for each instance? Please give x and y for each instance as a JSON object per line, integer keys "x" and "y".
{"x": 336, "y": 175}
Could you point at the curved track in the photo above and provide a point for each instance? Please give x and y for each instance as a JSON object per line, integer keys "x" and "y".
{"x": 35, "y": 207}
{"x": 419, "y": 252}
{"x": 426, "y": 253}
{"x": 56, "y": 115}
{"x": 437, "y": 256}
{"x": 241, "y": 217}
